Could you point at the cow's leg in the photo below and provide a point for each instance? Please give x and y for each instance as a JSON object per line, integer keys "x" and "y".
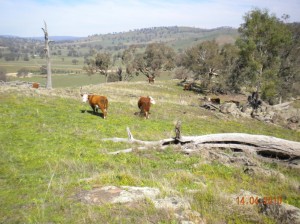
{"x": 104, "y": 112}
{"x": 94, "y": 110}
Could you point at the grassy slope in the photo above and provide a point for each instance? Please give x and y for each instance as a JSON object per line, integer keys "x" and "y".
{"x": 51, "y": 151}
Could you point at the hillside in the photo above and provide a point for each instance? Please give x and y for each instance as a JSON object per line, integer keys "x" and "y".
{"x": 178, "y": 37}
{"x": 56, "y": 167}
{"x": 68, "y": 56}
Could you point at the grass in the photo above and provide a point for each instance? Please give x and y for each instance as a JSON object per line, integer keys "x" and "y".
{"x": 78, "y": 80}
{"x": 51, "y": 151}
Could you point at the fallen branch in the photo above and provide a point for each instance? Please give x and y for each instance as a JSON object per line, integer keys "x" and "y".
{"x": 131, "y": 139}
{"x": 265, "y": 146}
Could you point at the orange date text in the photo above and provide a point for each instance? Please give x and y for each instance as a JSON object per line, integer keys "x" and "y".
{"x": 254, "y": 200}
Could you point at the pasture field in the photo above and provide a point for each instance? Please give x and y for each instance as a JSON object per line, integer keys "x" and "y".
{"x": 58, "y": 64}
{"x": 78, "y": 80}
{"x": 51, "y": 149}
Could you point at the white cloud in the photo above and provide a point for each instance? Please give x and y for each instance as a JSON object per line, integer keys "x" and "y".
{"x": 82, "y": 18}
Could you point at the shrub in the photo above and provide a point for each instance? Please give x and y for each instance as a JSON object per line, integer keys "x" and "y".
{"x": 3, "y": 76}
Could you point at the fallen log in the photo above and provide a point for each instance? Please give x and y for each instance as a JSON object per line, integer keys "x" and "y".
{"x": 266, "y": 146}
{"x": 282, "y": 106}
{"x": 261, "y": 145}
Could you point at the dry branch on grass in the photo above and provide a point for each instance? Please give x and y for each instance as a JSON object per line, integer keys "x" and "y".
{"x": 261, "y": 145}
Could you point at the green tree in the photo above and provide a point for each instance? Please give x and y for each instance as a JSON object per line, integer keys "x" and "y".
{"x": 229, "y": 54}
{"x": 100, "y": 63}
{"x": 157, "y": 57}
{"x": 75, "y": 61}
{"x": 26, "y": 57}
{"x": 127, "y": 59}
{"x": 203, "y": 59}
{"x": 3, "y": 73}
{"x": 263, "y": 37}
{"x": 290, "y": 65}
{"x": 210, "y": 64}
{"x": 23, "y": 72}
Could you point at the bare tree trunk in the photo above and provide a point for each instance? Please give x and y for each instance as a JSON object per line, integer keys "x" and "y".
{"x": 261, "y": 145}
{"x": 47, "y": 53}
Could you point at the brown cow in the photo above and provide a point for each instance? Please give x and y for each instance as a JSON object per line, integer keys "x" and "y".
{"x": 96, "y": 102}
{"x": 188, "y": 86}
{"x": 144, "y": 104}
{"x": 151, "y": 79}
{"x": 215, "y": 100}
{"x": 35, "y": 85}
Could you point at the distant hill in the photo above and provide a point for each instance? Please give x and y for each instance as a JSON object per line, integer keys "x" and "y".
{"x": 58, "y": 38}
{"x": 54, "y": 38}
{"x": 64, "y": 49}
{"x": 178, "y": 37}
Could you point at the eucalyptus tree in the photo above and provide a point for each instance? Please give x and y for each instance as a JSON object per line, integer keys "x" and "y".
{"x": 263, "y": 38}
{"x": 210, "y": 63}
{"x": 290, "y": 65}
{"x": 157, "y": 57}
{"x": 101, "y": 63}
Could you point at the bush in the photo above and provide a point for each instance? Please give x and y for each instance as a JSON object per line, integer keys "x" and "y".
{"x": 269, "y": 92}
{"x": 23, "y": 72}
{"x": 113, "y": 78}
{"x": 182, "y": 73}
{"x": 3, "y": 76}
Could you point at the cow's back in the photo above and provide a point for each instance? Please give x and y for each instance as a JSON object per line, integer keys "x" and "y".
{"x": 144, "y": 102}
{"x": 95, "y": 99}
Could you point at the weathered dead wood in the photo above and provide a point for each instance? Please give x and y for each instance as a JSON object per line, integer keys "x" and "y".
{"x": 121, "y": 151}
{"x": 282, "y": 106}
{"x": 178, "y": 130}
{"x": 210, "y": 106}
{"x": 47, "y": 54}
{"x": 147, "y": 143}
{"x": 265, "y": 146}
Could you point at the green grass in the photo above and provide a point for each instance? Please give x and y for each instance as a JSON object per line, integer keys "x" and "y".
{"x": 78, "y": 80}
{"x": 58, "y": 63}
{"x": 51, "y": 151}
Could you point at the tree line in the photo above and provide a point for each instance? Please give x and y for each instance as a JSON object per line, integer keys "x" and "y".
{"x": 265, "y": 58}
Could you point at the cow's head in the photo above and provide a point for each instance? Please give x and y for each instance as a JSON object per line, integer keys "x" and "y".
{"x": 85, "y": 97}
{"x": 152, "y": 101}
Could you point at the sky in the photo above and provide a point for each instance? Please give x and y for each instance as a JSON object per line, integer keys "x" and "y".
{"x": 82, "y": 18}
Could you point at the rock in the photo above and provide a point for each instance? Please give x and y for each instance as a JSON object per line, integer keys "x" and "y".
{"x": 112, "y": 194}
{"x": 173, "y": 203}
{"x": 129, "y": 194}
{"x": 230, "y": 108}
{"x": 283, "y": 213}
{"x": 293, "y": 119}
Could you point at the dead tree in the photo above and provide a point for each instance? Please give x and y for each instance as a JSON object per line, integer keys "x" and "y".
{"x": 47, "y": 53}
{"x": 262, "y": 146}
{"x": 178, "y": 131}
{"x": 119, "y": 73}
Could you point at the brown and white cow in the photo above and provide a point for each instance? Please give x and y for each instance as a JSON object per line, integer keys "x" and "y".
{"x": 96, "y": 102}
{"x": 144, "y": 104}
